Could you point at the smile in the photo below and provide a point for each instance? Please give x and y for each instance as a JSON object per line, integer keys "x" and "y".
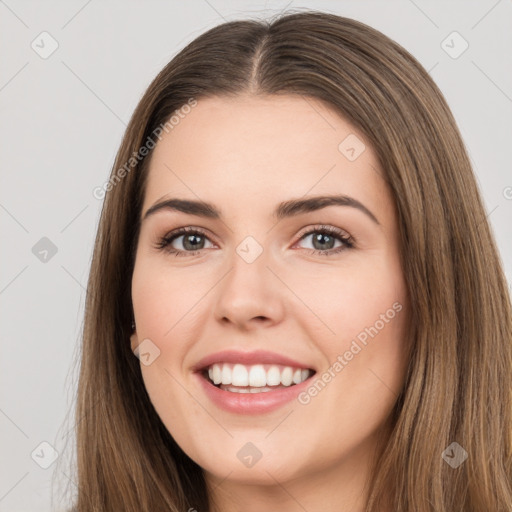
{"x": 258, "y": 378}
{"x": 251, "y": 382}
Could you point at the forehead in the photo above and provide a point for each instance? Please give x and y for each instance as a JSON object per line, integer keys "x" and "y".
{"x": 252, "y": 151}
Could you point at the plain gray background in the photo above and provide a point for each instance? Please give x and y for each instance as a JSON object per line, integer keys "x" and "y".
{"x": 63, "y": 117}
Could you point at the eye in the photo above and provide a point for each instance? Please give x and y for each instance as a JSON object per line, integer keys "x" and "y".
{"x": 192, "y": 243}
{"x": 324, "y": 238}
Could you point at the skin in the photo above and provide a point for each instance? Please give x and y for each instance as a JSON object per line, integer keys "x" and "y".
{"x": 245, "y": 155}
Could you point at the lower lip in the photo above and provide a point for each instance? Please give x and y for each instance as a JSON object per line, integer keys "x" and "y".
{"x": 251, "y": 403}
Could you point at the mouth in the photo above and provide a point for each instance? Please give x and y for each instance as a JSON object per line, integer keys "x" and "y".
{"x": 255, "y": 378}
{"x": 257, "y": 382}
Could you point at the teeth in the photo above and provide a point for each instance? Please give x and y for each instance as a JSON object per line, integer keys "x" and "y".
{"x": 273, "y": 376}
{"x": 226, "y": 374}
{"x": 217, "y": 374}
{"x": 239, "y": 376}
{"x": 255, "y": 378}
{"x": 287, "y": 376}
{"x": 234, "y": 389}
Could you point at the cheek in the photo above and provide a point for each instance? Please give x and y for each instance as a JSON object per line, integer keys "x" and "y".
{"x": 364, "y": 313}
{"x": 358, "y": 388}
{"x": 347, "y": 300}
{"x": 168, "y": 311}
{"x": 166, "y": 300}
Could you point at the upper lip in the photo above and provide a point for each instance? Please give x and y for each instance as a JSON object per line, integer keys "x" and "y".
{"x": 248, "y": 358}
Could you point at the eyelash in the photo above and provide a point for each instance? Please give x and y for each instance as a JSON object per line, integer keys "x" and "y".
{"x": 348, "y": 242}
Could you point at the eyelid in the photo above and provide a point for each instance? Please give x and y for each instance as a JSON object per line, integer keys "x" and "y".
{"x": 177, "y": 232}
{"x": 323, "y": 227}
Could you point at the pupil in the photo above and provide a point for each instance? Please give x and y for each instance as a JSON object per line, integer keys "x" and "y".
{"x": 319, "y": 238}
{"x": 189, "y": 240}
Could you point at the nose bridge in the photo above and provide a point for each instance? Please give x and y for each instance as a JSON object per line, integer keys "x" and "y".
{"x": 249, "y": 290}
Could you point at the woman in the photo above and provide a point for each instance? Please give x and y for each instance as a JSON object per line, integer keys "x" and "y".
{"x": 336, "y": 331}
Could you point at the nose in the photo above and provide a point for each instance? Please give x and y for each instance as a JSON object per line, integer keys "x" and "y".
{"x": 250, "y": 295}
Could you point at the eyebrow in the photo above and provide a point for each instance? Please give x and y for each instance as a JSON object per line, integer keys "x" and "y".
{"x": 285, "y": 209}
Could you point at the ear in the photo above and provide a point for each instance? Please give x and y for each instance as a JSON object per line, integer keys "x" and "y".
{"x": 134, "y": 341}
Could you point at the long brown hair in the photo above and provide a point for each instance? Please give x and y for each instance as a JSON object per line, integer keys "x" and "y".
{"x": 457, "y": 387}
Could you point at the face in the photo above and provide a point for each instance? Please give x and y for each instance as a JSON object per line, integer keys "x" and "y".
{"x": 300, "y": 306}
